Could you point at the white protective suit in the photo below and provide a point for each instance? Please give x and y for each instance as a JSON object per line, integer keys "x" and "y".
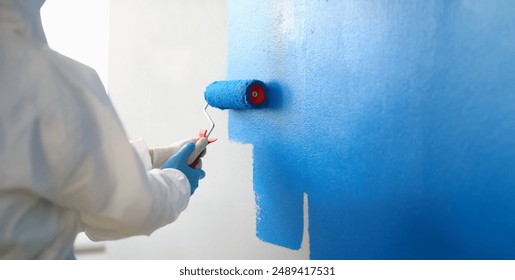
{"x": 66, "y": 165}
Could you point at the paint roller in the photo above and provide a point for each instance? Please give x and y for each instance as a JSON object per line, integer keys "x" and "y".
{"x": 236, "y": 94}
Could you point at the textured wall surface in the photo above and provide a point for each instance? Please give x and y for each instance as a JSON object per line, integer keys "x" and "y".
{"x": 397, "y": 118}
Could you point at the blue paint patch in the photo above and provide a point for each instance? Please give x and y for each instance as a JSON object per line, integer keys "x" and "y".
{"x": 397, "y": 119}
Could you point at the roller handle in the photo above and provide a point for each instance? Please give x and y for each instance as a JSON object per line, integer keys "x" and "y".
{"x": 202, "y": 134}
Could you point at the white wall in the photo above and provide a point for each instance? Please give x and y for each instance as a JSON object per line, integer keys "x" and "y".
{"x": 79, "y": 29}
{"x": 162, "y": 55}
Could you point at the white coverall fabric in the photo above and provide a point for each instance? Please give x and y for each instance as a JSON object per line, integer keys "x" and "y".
{"x": 66, "y": 165}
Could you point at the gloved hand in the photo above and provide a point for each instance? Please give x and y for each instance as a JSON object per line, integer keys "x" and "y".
{"x": 160, "y": 155}
{"x": 178, "y": 161}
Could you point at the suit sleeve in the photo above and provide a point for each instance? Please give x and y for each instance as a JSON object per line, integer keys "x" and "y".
{"x": 101, "y": 176}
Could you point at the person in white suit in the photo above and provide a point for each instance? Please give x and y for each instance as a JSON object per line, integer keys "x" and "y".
{"x": 66, "y": 165}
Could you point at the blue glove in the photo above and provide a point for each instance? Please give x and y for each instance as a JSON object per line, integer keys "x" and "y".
{"x": 178, "y": 161}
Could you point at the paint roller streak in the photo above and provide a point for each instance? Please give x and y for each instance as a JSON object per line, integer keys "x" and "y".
{"x": 280, "y": 205}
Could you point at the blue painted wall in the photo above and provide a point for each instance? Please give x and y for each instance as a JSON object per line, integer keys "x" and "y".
{"x": 397, "y": 118}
